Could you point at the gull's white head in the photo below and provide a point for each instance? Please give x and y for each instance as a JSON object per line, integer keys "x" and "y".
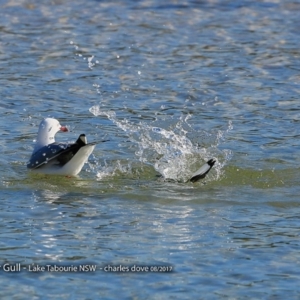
{"x": 47, "y": 130}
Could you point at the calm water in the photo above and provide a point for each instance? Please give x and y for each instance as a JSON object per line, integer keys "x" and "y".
{"x": 170, "y": 84}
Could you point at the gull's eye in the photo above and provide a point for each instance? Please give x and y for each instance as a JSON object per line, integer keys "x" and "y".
{"x": 49, "y": 129}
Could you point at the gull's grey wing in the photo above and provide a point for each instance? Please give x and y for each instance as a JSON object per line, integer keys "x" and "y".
{"x": 202, "y": 172}
{"x": 58, "y": 153}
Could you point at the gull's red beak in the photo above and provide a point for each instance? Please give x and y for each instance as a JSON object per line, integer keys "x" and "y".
{"x": 64, "y": 128}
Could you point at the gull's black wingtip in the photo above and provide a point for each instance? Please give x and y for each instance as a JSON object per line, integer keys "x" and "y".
{"x": 211, "y": 162}
{"x": 81, "y": 140}
{"x": 203, "y": 171}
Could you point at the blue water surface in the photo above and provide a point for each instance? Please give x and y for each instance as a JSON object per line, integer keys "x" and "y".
{"x": 170, "y": 85}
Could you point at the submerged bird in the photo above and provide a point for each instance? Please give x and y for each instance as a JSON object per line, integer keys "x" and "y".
{"x": 49, "y": 157}
{"x": 203, "y": 171}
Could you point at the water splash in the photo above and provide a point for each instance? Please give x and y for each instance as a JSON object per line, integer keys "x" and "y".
{"x": 170, "y": 151}
{"x": 87, "y": 58}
